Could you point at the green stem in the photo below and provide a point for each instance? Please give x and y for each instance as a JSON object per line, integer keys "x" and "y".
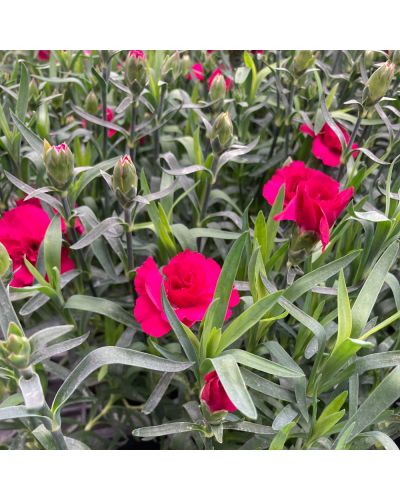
{"x": 158, "y": 131}
{"x": 129, "y": 245}
{"x": 350, "y": 143}
{"x": 206, "y": 194}
{"x": 132, "y": 149}
{"x": 73, "y": 236}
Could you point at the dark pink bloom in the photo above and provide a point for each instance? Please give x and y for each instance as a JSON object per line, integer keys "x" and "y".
{"x": 36, "y": 202}
{"x": 214, "y": 394}
{"x": 312, "y": 199}
{"x": 326, "y": 145}
{"x": 257, "y": 51}
{"x": 137, "y": 54}
{"x": 22, "y": 230}
{"x": 43, "y": 55}
{"x": 228, "y": 81}
{"x": 110, "y": 117}
{"x": 189, "y": 280}
{"x": 87, "y": 52}
{"x": 196, "y": 72}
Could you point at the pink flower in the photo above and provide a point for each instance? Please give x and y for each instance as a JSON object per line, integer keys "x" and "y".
{"x": 137, "y": 54}
{"x": 312, "y": 199}
{"x": 87, "y": 52}
{"x": 110, "y": 117}
{"x": 22, "y": 230}
{"x": 228, "y": 81}
{"x": 189, "y": 280}
{"x": 257, "y": 51}
{"x": 326, "y": 145}
{"x": 196, "y": 72}
{"x": 43, "y": 55}
{"x": 36, "y": 202}
{"x": 214, "y": 394}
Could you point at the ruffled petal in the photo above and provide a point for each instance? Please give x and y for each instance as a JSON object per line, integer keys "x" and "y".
{"x": 328, "y": 157}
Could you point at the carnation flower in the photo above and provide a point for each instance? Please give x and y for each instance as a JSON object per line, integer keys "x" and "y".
{"x": 214, "y": 394}
{"x": 43, "y": 55}
{"x": 189, "y": 280}
{"x": 196, "y": 72}
{"x": 22, "y": 230}
{"x": 326, "y": 144}
{"x": 312, "y": 199}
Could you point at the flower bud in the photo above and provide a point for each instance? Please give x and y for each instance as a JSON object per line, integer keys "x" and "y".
{"x": 43, "y": 120}
{"x": 218, "y": 88}
{"x": 91, "y": 103}
{"x": 135, "y": 71}
{"x": 16, "y": 350}
{"x": 59, "y": 162}
{"x": 395, "y": 57}
{"x": 171, "y": 67}
{"x": 125, "y": 181}
{"x": 378, "y": 83}
{"x": 5, "y": 264}
{"x": 186, "y": 64}
{"x": 222, "y": 133}
{"x": 302, "y": 60}
{"x": 33, "y": 91}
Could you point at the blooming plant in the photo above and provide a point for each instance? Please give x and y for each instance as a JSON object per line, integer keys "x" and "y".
{"x": 199, "y": 249}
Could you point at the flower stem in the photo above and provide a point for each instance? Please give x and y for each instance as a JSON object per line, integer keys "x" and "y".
{"x": 206, "y": 194}
{"x": 129, "y": 245}
{"x": 350, "y": 143}
{"x": 158, "y": 131}
{"x": 132, "y": 149}
{"x": 73, "y": 236}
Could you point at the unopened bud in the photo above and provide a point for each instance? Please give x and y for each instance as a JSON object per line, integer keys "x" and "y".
{"x": 221, "y": 133}
{"x": 59, "y": 162}
{"x": 125, "y": 181}
{"x": 91, "y": 103}
{"x": 16, "y": 350}
{"x": 186, "y": 64}
{"x": 43, "y": 120}
{"x": 33, "y": 91}
{"x": 171, "y": 67}
{"x": 135, "y": 71}
{"x": 378, "y": 83}
{"x": 302, "y": 60}
{"x": 396, "y": 57}
{"x": 218, "y": 88}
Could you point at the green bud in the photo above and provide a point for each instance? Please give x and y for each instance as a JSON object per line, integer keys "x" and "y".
{"x": 91, "y": 103}
{"x": 378, "y": 83}
{"x": 135, "y": 71}
{"x": 222, "y": 133}
{"x": 5, "y": 264}
{"x": 43, "y": 120}
{"x": 33, "y": 91}
{"x": 16, "y": 350}
{"x": 171, "y": 67}
{"x": 369, "y": 57}
{"x": 395, "y": 57}
{"x": 186, "y": 64}
{"x": 218, "y": 89}
{"x": 59, "y": 162}
{"x": 302, "y": 60}
{"x": 125, "y": 181}
{"x": 57, "y": 100}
